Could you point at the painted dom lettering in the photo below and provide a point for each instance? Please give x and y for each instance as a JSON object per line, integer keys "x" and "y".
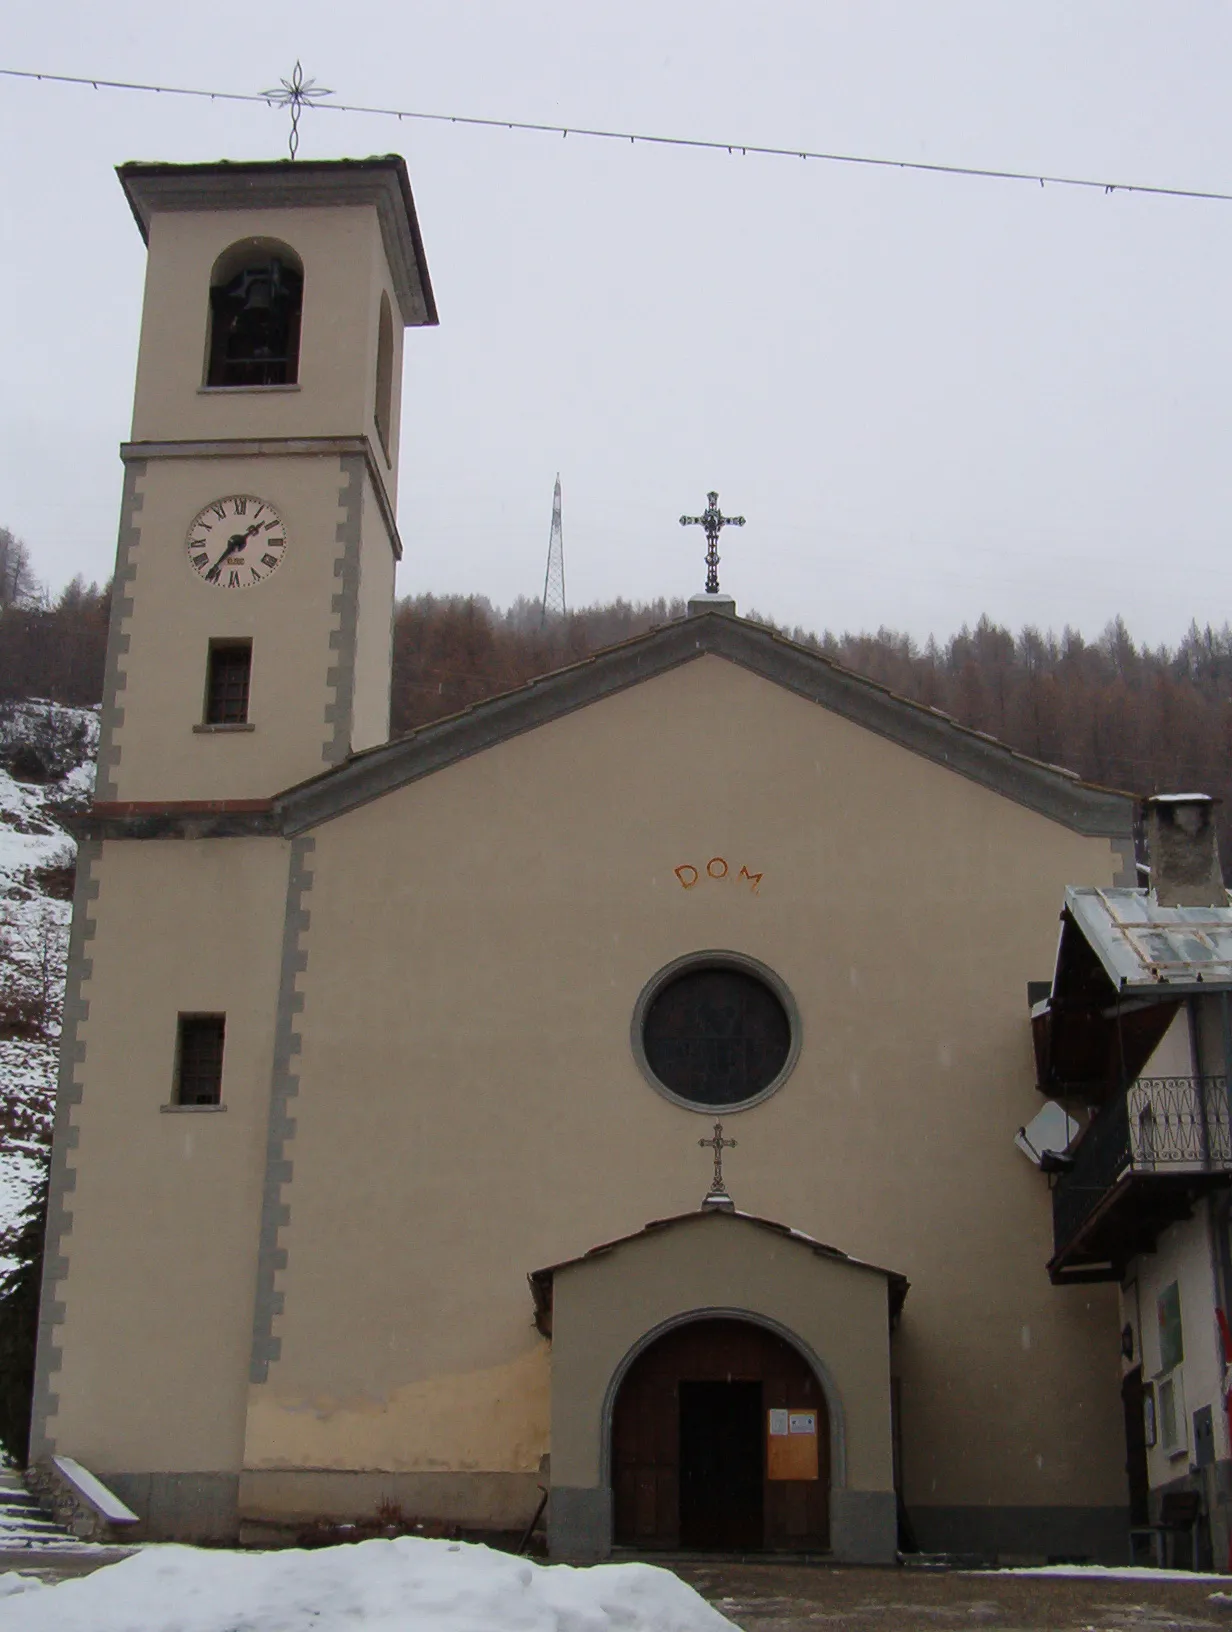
{"x": 718, "y": 870}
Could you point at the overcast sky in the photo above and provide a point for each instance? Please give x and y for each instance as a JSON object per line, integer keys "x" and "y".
{"x": 930, "y": 396}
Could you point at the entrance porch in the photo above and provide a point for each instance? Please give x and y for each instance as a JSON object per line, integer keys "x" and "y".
{"x": 683, "y": 1357}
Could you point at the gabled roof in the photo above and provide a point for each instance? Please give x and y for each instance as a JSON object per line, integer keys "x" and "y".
{"x": 1052, "y": 792}
{"x": 1144, "y": 947}
{"x": 1124, "y": 966}
{"x": 541, "y": 1280}
{"x": 283, "y": 184}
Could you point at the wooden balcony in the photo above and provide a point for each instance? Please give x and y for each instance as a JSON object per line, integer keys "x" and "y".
{"x": 1140, "y": 1165}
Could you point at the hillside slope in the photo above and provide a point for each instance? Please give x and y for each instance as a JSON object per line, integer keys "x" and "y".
{"x": 47, "y": 757}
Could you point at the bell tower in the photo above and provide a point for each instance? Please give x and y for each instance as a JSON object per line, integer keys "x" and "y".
{"x": 251, "y": 617}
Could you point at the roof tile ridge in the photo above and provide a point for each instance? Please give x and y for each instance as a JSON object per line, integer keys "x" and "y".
{"x": 931, "y": 708}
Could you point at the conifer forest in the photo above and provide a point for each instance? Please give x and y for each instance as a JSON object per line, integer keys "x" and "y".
{"x": 1125, "y": 715}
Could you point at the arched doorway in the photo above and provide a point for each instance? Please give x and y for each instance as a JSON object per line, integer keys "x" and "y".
{"x": 711, "y": 1444}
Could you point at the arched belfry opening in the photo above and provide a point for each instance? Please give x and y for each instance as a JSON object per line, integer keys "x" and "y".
{"x": 721, "y": 1442}
{"x": 385, "y": 375}
{"x": 256, "y": 301}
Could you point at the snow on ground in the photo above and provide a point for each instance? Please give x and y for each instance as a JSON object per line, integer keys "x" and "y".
{"x": 406, "y": 1585}
{"x": 1106, "y": 1572}
{"x": 59, "y": 747}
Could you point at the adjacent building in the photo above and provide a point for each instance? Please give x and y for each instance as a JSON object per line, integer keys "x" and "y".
{"x": 1136, "y": 1037}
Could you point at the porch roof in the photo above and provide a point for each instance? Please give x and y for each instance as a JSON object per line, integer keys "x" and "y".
{"x": 541, "y": 1280}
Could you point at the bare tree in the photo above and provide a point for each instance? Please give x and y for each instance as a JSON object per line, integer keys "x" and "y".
{"x": 18, "y": 585}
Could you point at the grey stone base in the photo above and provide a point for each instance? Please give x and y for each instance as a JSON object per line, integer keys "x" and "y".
{"x": 1100, "y": 1534}
{"x": 579, "y": 1523}
{"x": 277, "y": 1499}
{"x": 266, "y": 1508}
{"x": 863, "y": 1526}
{"x": 181, "y": 1506}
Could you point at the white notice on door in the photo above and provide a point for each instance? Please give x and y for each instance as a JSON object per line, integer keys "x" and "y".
{"x": 778, "y": 1422}
{"x": 802, "y": 1422}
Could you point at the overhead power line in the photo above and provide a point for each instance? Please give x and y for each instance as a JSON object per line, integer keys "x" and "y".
{"x": 744, "y": 149}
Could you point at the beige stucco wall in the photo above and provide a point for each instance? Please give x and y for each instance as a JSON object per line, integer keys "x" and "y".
{"x": 603, "y": 1307}
{"x": 469, "y": 1107}
{"x": 344, "y": 271}
{"x": 289, "y": 617}
{"x": 1174, "y": 1053}
{"x": 374, "y": 633}
{"x": 166, "y": 1205}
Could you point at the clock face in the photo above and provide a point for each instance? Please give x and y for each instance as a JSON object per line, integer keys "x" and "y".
{"x": 237, "y": 542}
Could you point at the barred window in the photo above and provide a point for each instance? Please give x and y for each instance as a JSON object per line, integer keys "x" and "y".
{"x": 199, "y": 1059}
{"x": 229, "y": 671}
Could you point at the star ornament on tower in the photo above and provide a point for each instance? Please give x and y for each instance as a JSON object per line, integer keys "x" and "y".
{"x": 712, "y": 521}
{"x": 296, "y": 93}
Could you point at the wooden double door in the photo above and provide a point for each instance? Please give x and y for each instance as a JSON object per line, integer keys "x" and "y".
{"x": 692, "y": 1462}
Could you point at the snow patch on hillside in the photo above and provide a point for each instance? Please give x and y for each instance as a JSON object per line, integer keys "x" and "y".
{"x": 47, "y": 755}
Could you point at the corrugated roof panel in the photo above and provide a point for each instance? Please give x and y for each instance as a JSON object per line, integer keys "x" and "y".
{"x": 1145, "y": 946}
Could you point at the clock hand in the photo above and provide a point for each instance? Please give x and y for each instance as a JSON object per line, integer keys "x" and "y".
{"x": 235, "y": 543}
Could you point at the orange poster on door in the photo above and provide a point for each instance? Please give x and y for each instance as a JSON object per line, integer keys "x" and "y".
{"x": 791, "y": 1444}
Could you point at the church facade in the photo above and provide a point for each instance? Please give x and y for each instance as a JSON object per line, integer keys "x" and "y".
{"x": 391, "y": 1069}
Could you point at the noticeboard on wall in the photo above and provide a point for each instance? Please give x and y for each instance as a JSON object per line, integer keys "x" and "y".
{"x": 791, "y": 1445}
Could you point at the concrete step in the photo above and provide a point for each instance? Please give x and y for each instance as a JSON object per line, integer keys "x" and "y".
{"x": 23, "y": 1523}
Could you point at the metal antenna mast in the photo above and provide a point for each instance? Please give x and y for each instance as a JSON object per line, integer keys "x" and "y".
{"x": 554, "y": 577}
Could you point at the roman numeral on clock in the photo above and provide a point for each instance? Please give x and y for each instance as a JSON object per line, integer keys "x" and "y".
{"x": 228, "y": 550}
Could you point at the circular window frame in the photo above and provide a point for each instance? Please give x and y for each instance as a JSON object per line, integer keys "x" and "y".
{"x": 716, "y": 958}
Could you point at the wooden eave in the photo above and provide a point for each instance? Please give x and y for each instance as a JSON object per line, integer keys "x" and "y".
{"x": 1089, "y": 1038}
{"x": 1128, "y": 1221}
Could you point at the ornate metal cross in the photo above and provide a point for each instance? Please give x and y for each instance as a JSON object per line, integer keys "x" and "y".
{"x": 717, "y": 1195}
{"x": 296, "y": 93}
{"x": 712, "y": 520}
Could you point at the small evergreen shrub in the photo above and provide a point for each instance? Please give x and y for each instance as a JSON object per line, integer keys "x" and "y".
{"x": 19, "y": 1307}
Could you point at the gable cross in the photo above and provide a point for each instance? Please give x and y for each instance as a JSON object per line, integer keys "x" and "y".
{"x": 712, "y": 520}
{"x": 717, "y": 1195}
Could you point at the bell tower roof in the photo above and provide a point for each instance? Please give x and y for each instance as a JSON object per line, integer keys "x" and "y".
{"x": 286, "y": 184}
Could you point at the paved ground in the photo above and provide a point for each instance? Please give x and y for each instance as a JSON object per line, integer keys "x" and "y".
{"x": 812, "y": 1598}
{"x": 35, "y": 1544}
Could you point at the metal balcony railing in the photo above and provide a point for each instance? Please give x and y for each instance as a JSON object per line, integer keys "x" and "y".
{"x": 1157, "y": 1126}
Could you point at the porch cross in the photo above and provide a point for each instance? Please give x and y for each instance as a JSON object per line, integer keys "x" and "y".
{"x": 717, "y": 1195}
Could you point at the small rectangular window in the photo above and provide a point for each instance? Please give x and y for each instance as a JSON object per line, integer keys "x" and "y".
{"x": 1172, "y": 1423}
{"x": 1171, "y": 1340}
{"x": 198, "y": 1075}
{"x": 226, "y": 686}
